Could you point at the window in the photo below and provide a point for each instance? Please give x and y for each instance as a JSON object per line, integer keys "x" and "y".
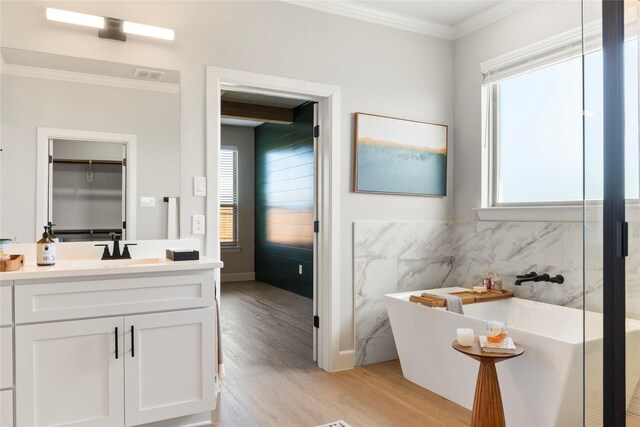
{"x": 536, "y": 135}
{"x": 228, "y": 197}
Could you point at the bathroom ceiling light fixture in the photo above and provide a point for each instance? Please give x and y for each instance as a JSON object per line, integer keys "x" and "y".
{"x": 76, "y": 18}
{"x": 110, "y": 28}
{"x": 147, "y": 30}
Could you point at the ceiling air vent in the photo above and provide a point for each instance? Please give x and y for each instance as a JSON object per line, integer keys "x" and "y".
{"x": 148, "y": 74}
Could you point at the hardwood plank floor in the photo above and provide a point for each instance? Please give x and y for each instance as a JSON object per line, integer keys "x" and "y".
{"x": 271, "y": 379}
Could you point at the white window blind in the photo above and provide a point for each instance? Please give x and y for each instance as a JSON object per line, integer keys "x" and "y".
{"x": 539, "y": 55}
{"x": 229, "y": 196}
{"x": 552, "y": 50}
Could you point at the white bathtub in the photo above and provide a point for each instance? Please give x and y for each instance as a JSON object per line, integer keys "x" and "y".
{"x": 543, "y": 387}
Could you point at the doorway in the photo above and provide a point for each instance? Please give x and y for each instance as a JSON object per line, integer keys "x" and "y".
{"x": 268, "y": 203}
{"x": 327, "y": 235}
{"x": 66, "y": 154}
{"x": 87, "y": 190}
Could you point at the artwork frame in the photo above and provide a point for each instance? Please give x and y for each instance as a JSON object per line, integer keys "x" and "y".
{"x": 420, "y": 167}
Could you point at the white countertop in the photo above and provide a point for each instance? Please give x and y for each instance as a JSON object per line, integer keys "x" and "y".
{"x": 92, "y": 267}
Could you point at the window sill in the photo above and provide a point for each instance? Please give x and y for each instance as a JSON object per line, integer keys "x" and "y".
{"x": 231, "y": 249}
{"x": 531, "y": 213}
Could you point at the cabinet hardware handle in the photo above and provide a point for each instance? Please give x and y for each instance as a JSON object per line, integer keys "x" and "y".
{"x": 133, "y": 349}
{"x": 116, "y": 342}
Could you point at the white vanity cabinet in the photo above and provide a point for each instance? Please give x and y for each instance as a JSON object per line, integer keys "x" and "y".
{"x": 67, "y": 373}
{"x": 6, "y": 353}
{"x": 6, "y": 408}
{"x": 118, "y": 350}
{"x": 168, "y": 365}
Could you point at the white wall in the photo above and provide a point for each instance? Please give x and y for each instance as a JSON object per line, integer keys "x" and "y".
{"x": 28, "y": 103}
{"x": 241, "y": 261}
{"x": 380, "y": 70}
{"x": 534, "y": 23}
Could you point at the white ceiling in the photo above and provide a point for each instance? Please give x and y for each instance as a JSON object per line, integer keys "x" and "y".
{"x": 259, "y": 99}
{"x": 450, "y": 12}
{"x": 448, "y": 19}
{"x": 239, "y": 122}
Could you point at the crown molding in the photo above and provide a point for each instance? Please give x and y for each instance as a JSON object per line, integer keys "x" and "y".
{"x": 490, "y": 15}
{"x": 96, "y": 79}
{"x": 378, "y": 16}
{"x": 410, "y": 23}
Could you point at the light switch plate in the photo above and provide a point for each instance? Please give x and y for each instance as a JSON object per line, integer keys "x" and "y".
{"x": 147, "y": 202}
{"x": 197, "y": 224}
{"x": 199, "y": 186}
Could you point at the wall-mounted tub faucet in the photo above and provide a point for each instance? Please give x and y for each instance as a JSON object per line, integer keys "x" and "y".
{"x": 535, "y": 277}
{"x": 558, "y": 278}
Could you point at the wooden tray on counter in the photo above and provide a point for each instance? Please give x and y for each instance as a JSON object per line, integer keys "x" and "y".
{"x": 467, "y": 297}
{"x": 15, "y": 262}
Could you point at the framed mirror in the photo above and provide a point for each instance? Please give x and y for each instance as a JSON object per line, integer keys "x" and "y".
{"x": 95, "y": 145}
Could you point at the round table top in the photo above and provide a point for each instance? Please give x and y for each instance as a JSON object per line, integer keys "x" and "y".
{"x": 476, "y": 352}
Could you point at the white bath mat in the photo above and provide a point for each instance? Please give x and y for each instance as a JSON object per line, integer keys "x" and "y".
{"x": 338, "y": 423}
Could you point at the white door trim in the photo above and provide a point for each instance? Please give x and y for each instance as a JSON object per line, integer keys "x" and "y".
{"x": 42, "y": 174}
{"x": 328, "y": 97}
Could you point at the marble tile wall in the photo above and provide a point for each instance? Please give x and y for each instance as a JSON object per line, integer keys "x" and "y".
{"x": 405, "y": 256}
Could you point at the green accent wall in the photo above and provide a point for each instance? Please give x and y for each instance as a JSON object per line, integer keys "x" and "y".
{"x": 284, "y": 197}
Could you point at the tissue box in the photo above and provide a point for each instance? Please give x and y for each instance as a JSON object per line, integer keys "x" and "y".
{"x": 183, "y": 255}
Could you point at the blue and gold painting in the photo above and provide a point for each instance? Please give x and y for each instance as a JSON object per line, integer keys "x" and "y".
{"x": 400, "y": 156}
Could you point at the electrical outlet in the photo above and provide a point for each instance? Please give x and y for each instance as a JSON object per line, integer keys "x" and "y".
{"x": 199, "y": 186}
{"x": 197, "y": 224}
{"x": 299, "y": 268}
{"x": 147, "y": 202}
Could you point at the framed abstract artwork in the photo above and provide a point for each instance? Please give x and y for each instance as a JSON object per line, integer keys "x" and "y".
{"x": 396, "y": 156}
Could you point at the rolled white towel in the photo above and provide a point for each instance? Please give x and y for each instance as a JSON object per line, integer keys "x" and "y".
{"x": 454, "y": 303}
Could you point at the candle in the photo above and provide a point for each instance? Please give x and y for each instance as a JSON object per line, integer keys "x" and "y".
{"x": 465, "y": 336}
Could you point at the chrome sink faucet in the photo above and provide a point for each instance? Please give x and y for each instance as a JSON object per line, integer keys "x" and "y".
{"x": 106, "y": 255}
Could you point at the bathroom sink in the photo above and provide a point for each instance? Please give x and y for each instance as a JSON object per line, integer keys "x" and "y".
{"x": 111, "y": 263}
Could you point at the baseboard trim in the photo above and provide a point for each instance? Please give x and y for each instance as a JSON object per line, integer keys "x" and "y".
{"x": 343, "y": 360}
{"x": 237, "y": 277}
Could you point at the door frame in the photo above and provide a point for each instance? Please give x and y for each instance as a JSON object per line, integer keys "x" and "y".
{"x": 330, "y": 357}
{"x": 44, "y": 134}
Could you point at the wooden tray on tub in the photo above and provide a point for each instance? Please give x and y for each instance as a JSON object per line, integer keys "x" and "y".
{"x": 467, "y": 297}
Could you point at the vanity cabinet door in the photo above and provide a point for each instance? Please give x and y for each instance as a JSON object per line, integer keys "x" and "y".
{"x": 169, "y": 365}
{"x": 67, "y": 373}
{"x": 6, "y": 408}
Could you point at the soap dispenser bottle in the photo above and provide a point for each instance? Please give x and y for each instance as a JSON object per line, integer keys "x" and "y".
{"x": 46, "y": 248}
{"x": 51, "y": 235}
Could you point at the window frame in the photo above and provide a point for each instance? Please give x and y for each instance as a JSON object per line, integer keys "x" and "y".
{"x": 235, "y": 244}
{"x": 551, "y": 51}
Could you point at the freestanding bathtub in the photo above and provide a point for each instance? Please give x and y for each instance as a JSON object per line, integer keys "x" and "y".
{"x": 541, "y": 388}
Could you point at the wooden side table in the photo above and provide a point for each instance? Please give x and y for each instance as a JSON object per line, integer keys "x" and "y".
{"x": 487, "y": 402}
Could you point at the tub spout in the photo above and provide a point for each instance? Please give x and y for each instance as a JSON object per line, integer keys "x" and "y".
{"x": 533, "y": 277}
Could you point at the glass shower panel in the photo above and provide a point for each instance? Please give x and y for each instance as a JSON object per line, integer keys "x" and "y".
{"x": 593, "y": 226}
{"x": 593, "y": 170}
